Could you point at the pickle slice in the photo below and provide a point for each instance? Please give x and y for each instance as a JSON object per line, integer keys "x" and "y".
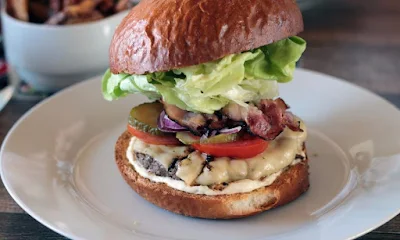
{"x": 144, "y": 117}
{"x": 188, "y": 138}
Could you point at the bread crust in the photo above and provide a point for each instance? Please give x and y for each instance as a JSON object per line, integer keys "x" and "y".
{"x": 169, "y": 34}
{"x": 286, "y": 188}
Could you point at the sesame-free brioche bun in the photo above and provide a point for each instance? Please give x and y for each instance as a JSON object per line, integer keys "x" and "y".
{"x": 286, "y": 188}
{"x": 163, "y": 35}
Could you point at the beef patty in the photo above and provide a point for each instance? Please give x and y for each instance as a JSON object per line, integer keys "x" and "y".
{"x": 153, "y": 166}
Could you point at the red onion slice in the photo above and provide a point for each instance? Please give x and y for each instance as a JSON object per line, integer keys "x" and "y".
{"x": 204, "y": 136}
{"x": 230, "y": 130}
{"x": 165, "y": 124}
{"x": 208, "y": 134}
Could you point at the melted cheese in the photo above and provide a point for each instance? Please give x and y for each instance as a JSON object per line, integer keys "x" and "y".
{"x": 190, "y": 167}
{"x": 223, "y": 170}
{"x": 279, "y": 154}
{"x": 165, "y": 155}
{"x": 241, "y": 186}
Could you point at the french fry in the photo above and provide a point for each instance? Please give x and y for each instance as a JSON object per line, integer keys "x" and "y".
{"x": 67, "y": 3}
{"x": 85, "y": 7}
{"x": 21, "y": 9}
{"x": 93, "y": 16}
{"x": 121, "y": 5}
{"x": 55, "y": 6}
{"x": 60, "y": 12}
{"x": 78, "y": 13}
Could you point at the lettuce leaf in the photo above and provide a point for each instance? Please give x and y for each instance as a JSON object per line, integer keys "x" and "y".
{"x": 244, "y": 77}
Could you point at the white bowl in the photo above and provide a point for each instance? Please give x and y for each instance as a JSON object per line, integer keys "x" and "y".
{"x": 50, "y": 58}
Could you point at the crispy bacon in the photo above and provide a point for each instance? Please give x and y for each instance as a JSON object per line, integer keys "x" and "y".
{"x": 266, "y": 120}
{"x": 292, "y": 123}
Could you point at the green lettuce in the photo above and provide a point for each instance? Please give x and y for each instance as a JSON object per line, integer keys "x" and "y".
{"x": 245, "y": 77}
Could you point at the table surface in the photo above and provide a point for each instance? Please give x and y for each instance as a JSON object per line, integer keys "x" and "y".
{"x": 355, "y": 40}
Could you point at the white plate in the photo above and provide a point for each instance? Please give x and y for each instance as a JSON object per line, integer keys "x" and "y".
{"x": 57, "y": 163}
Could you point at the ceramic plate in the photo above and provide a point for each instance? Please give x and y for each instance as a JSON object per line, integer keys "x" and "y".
{"x": 57, "y": 162}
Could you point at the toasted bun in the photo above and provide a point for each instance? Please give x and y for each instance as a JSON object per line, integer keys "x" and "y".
{"x": 287, "y": 187}
{"x": 163, "y": 35}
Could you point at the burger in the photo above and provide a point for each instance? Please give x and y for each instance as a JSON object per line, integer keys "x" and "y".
{"x": 214, "y": 140}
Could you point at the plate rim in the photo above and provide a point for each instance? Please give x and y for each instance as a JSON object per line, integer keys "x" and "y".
{"x": 6, "y": 184}
{"x": 68, "y": 89}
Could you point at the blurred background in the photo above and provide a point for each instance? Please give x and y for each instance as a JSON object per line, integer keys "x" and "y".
{"x": 356, "y": 40}
{"x": 51, "y": 44}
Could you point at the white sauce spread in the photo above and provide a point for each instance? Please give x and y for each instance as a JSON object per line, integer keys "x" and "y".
{"x": 242, "y": 175}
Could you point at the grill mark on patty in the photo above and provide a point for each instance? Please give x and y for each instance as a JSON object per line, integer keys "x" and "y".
{"x": 173, "y": 169}
{"x": 209, "y": 158}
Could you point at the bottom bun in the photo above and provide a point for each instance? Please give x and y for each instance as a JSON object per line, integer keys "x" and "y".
{"x": 286, "y": 188}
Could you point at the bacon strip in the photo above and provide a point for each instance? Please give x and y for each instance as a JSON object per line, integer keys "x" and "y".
{"x": 266, "y": 120}
{"x": 292, "y": 123}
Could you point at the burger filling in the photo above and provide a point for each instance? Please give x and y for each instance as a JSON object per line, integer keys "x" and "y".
{"x": 217, "y": 127}
{"x": 189, "y": 170}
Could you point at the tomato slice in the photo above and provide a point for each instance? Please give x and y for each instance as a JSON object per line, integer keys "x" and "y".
{"x": 244, "y": 148}
{"x": 153, "y": 139}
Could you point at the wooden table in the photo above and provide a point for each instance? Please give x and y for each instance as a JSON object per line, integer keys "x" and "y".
{"x": 355, "y": 40}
